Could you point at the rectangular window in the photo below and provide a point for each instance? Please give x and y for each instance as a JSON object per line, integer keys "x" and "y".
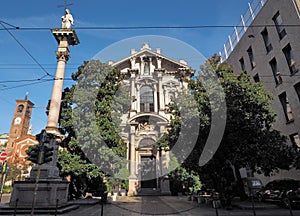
{"x": 146, "y": 99}
{"x": 267, "y": 41}
{"x": 276, "y": 73}
{"x": 290, "y": 59}
{"x": 286, "y": 107}
{"x": 242, "y": 64}
{"x": 256, "y": 78}
{"x": 251, "y": 57}
{"x": 297, "y": 89}
{"x": 279, "y": 25}
{"x": 295, "y": 139}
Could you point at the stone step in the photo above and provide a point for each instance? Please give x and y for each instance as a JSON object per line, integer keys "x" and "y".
{"x": 7, "y": 210}
{"x": 149, "y": 192}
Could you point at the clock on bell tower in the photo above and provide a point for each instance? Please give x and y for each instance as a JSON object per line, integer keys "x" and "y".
{"x": 20, "y": 122}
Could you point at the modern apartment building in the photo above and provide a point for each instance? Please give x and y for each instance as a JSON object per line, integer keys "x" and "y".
{"x": 266, "y": 46}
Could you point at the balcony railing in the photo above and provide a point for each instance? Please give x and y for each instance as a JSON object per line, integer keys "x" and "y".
{"x": 246, "y": 20}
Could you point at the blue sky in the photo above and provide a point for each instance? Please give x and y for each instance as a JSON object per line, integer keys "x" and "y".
{"x": 16, "y": 64}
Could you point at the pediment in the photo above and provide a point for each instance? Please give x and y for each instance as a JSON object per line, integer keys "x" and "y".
{"x": 166, "y": 62}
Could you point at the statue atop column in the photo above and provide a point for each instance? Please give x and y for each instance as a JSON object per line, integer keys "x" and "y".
{"x": 67, "y": 19}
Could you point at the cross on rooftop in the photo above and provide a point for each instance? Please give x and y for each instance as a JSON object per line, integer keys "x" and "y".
{"x": 65, "y": 5}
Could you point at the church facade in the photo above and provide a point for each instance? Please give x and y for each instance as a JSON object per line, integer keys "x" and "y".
{"x": 153, "y": 79}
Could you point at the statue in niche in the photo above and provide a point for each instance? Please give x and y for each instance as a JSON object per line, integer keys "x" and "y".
{"x": 67, "y": 20}
{"x": 132, "y": 62}
{"x": 146, "y": 66}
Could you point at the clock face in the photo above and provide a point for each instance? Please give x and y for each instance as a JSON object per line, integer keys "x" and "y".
{"x": 18, "y": 120}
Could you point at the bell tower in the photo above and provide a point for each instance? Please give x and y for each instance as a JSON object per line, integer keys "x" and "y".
{"x": 20, "y": 122}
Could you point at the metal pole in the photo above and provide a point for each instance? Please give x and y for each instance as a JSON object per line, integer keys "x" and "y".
{"x": 16, "y": 205}
{"x": 217, "y": 213}
{"x": 251, "y": 11}
{"x": 253, "y": 207}
{"x": 290, "y": 208}
{"x": 41, "y": 155}
{"x": 102, "y": 201}
{"x": 56, "y": 207}
{"x": 2, "y": 185}
{"x": 215, "y": 198}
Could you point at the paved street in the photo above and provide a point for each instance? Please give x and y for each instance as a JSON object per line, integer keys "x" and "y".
{"x": 170, "y": 205}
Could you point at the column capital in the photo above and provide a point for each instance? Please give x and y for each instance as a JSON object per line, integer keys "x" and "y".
{"x": 62, "y": 56}
{"x": 68, "y": 35}
{"x": 133, "y": 72}
{"x": 159, "y": 71}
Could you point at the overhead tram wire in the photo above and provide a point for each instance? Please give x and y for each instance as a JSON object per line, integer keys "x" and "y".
{"x": 32, "y": 83}
{"x": 149, "y": 27}
{"x": 32, "y": 57}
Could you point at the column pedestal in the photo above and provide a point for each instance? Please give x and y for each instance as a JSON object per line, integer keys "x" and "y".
{"x": 132, "y": 186}
{"x": 49, "y": 194}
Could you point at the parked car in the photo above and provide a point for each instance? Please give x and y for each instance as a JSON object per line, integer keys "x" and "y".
{"x": 283, "y": 191}
{"x": 252, "y": 186}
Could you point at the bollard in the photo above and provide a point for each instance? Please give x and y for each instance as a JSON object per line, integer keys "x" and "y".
{"x": 16, "y": 205}
{"x": 290, "y": 206}
{"x": 253, "y": 207}
{"x": 102, "y": 202}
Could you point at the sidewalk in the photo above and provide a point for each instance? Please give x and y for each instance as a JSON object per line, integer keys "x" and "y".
{"x": 164, "y": 205}
{"x": 172, "y": 206}
{"x": 248, "y": 204}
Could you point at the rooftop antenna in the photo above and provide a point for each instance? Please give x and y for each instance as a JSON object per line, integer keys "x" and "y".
{"x": 65, "y": 5}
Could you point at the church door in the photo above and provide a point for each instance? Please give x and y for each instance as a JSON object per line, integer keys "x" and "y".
{"x": 148, "y": 172}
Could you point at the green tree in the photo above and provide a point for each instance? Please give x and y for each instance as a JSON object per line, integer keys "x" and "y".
{"x": 90, "y": 118}
{"x": 249, "y": 139}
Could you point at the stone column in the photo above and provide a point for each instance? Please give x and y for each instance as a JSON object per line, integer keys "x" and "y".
{"x": 51, "y": 187}
{"x": 133, "y": 94}
{"x": 142, "y": 66}
{"x": 64, "y": 38}
{"x": 62, "y": 56}
{"x": 158, "y": 59}
{"x": 132, "y": 177}
{"x": 160, "y": 89}
{"x": 155, "y": 99}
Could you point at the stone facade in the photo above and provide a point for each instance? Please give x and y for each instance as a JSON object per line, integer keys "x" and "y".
{"x": 153, "y": 79}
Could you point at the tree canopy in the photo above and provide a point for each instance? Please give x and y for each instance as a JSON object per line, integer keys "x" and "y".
{"x": 249, "y": 139}
{"x": 89, "y": 117}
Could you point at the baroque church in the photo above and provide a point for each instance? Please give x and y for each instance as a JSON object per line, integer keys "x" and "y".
{"x": 153, "y": 80}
